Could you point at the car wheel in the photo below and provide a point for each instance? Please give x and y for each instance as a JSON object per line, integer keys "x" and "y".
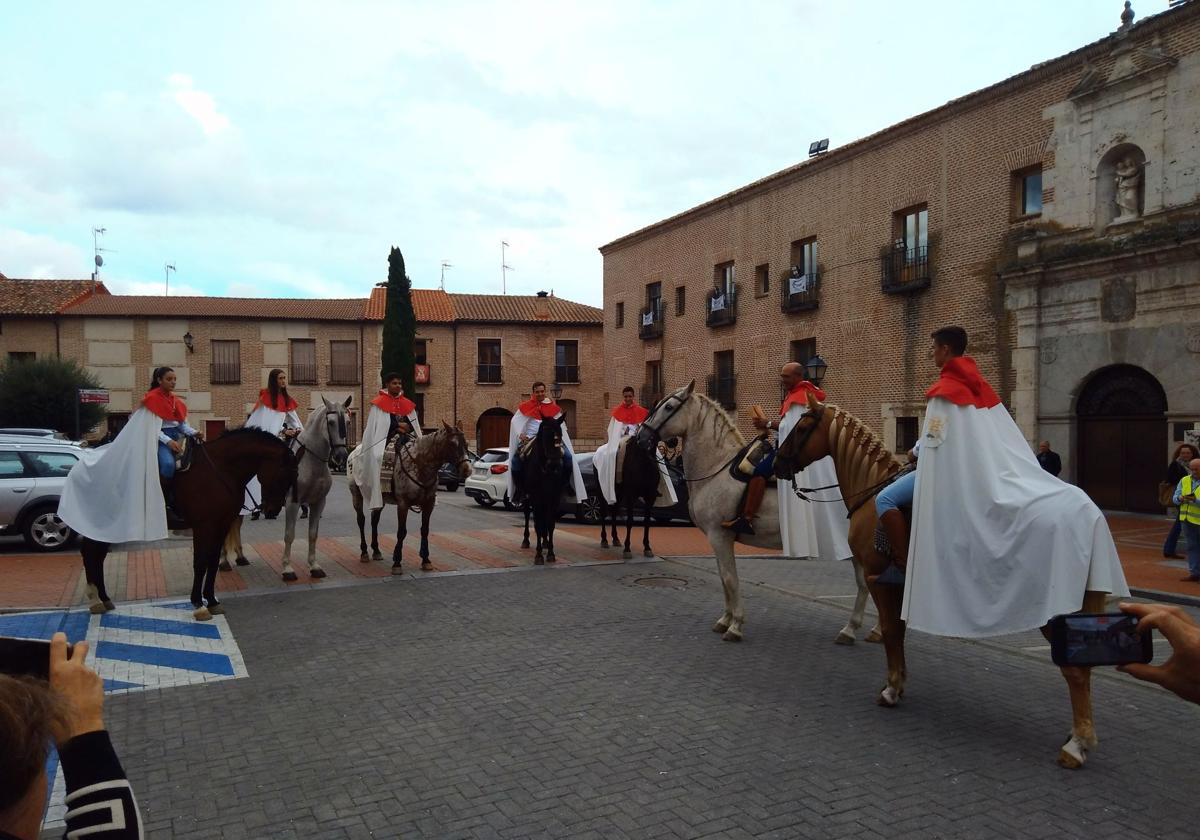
{"x": 44, "y": 531}
{"x": 588, "y": 510}
{"x": 487, "y": 501}
{"x": 451, "y": 487}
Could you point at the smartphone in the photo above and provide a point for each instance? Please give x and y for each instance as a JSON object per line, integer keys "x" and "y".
{"x": 1098, "y": 639}
{"x": 26, "y": 657}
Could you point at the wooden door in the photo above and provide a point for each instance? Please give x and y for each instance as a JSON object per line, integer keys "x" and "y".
{"x": 493, "y": 430}
{"x": 213, "y": 429}
{"x": 1121, "y": 461}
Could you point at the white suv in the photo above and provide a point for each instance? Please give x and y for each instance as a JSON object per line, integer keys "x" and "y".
{"x": 32, "y": 475}
{"x": 488, "y": 481}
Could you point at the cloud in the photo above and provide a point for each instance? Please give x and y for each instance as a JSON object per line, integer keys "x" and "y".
{"x": 198, "y": 104}
{"x": 128, "y": 286}
{"x": 38, "y": 257}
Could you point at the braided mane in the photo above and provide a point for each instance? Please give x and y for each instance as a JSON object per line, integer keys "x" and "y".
{"x": 723, "y": 424}
{"x": 858, "y": 453}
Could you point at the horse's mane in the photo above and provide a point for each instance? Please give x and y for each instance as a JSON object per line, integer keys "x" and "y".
{"x": 250, "y": 431}
{"x": 723, "y": 424}
{"x": 859, "y": 453}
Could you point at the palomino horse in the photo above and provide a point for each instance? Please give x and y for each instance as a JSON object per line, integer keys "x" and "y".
{"x": 713, "y": 441}
{"x": 862, "y": 463}
{"x": 414, "y": 486}
{"x": 208, "y": 496}
{"x": 322, "y": 441}
{"x": 541, "y": 480}
{"x": 639, "y": 480}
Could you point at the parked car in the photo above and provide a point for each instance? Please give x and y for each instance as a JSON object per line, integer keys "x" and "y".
{"x": 448, "y": 474}
{"x": 32, "y": 474}
{"x": 488, "y": 482}
{"x": 589, "y": 509}
{"x": 39, "y": 433}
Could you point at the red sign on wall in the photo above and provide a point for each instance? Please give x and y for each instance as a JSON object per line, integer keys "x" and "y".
{"x": 422, "y": 377}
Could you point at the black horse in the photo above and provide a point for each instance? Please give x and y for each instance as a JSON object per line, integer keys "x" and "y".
{"x": 541, "y": 480}
{"x": 639, "y": 480}
{"x": 208, "y": 496}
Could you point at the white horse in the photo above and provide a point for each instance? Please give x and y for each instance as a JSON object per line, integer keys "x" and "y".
{"x": 713, "y": 441}
{"x": 322, "y": 440}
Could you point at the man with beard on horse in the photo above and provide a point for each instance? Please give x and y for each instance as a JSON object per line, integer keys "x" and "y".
{"x": 524, "y": 428}
{"x": 391, "y": 414}
{"x": 806, "y": 528}
{"x": 623, "y": 424}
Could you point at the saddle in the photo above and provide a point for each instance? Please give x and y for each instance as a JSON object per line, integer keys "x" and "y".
{"x": 749, "y": 457}
{"x": 387, "y": 467}
{"x": 183, "y": 459}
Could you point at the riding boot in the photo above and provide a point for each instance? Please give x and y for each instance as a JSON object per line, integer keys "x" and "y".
{"x": 174, "y": 521}
{"x": 755, "y": 490}
{"x": 897, "y": 533}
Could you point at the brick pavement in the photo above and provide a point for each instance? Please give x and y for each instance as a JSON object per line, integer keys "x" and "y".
{"x": 576, "y": 703}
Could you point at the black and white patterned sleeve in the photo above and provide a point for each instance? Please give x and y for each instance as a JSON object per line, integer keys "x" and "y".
{"x": 100, "y": 802}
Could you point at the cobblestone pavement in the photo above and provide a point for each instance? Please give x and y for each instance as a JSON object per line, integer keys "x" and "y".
{"x": 577, "y": 702}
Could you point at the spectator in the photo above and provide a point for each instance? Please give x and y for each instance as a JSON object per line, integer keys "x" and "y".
{"x": 1181, "y": 672}
{"x": 1049, "y": 460}
{"x": 69, "y": 712}
{"x": 1177, "y": 469}
{"x": 1189, "y": 517}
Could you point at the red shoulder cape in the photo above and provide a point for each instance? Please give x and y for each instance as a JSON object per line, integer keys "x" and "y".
{"x": 962, "y": 384}
{"x": 164, "y": 405}
{"x": 632, "y": 415}
{"x": 281, "y": 404}
{"x": 401, "y": 405}
{"x": 543, "y": 411}
{"x": 799, "y": 396}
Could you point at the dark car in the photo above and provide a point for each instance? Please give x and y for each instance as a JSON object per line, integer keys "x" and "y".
{"x": 448, "y": 476}
{"x": 589, "y": 509}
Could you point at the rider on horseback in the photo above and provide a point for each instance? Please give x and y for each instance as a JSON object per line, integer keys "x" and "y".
{"x": 391, "y": 414}
{"x": 524, "y": 428}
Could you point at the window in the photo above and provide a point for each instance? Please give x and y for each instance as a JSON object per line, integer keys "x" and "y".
{"x": 906, "y": 433}
{"x": 723, "y": 277}
{"x": 566, "y": 361}
{"x": 913, "y": 235}
{"x": 302, "y": 363}
{"x": 803, "y": 350}
{"x": 804, "y": 256}
{"x": 22, "y": 356}
{"x": 680, "y": 300}
{"x": 652, "y": 386}
{"x": 489, "y": 361}
{"x": 620, "y": 314}
{"x": 722, "y": 385}
{"x": 568, "y": 410}
{"x": 1028, "y": 191}
{"x": 762, "y": 279}
{"x": 51, "y": 464}
{"x": 11, "y": 465}
{"x": 420, "y": 352}
{"x": 226, "y": 362}
{"x": 653, "y": 295}
{"x": 343, "y": 363}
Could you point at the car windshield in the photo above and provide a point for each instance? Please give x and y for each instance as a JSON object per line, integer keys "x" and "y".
{"x": 494, "y": 457}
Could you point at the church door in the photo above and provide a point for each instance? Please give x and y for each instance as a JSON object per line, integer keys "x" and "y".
{"x": 492, "y": 428}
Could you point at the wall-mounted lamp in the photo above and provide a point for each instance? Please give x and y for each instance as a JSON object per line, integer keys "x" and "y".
{"x": 556, "y": 391}
{"x": 815, "y": 368}
{"x": 188, "y": 341}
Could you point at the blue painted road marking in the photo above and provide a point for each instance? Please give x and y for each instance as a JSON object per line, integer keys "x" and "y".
{"x": 160, "y": 625}
{"x": 187, "y": 660}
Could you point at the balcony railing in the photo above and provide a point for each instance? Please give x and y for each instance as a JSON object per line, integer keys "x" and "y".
{"x": 720, "y": 306}
{"x": 906, "y": 269}
{"x": 801, "y": 293}
{"x": 650, "y": 321}
{"x": 723, "y": 389}
{"x": 489, "y": 375}
{"x": 650, "y": 396}
{"x": 566, "y": 374}
{"x": 302, "y": 374}
{"x": 225, "y": 373}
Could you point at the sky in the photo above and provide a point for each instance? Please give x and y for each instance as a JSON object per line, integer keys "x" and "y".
{"x": 281, "y": 149}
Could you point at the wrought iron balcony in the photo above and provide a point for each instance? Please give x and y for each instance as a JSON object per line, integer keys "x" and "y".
{"x": 566, "y": 374}
{"x": 906, "y": 269}
{"x": 489, "y": 375}
{"x": 720, "y": 306}
{"x": 650, "y": 321}
{"x": 651, "y": 395}
{"x": 723, "y": 389}
{"x": 801, "y": 293}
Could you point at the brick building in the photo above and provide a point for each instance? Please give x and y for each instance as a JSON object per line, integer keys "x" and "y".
{"x": 476, "y": 354}
{"x": 996, "y": 211}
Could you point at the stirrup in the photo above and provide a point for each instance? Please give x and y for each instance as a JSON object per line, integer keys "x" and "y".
{"x": 891, "y": 576}
{"x": 740, "y": 525}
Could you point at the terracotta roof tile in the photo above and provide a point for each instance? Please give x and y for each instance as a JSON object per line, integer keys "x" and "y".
{"x": 523, "y": 309}
{"x": 430, "y": 305}
{"x": 44, "y": 297}
{"x": 309, "y": 309}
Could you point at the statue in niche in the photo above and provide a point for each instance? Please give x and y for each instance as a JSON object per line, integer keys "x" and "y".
{"x": 1128, "y": 173}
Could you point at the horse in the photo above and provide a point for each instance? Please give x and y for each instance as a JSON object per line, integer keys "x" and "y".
{"x": 639, "y": 480}
{"x": 542, "y": 478}
{"x": 208, "y": 496}
{"x": 863, "y": 463}
{"x": 414, "y": 486}
{"x": 713, "y": 442}
{"x": 322, "y": 441}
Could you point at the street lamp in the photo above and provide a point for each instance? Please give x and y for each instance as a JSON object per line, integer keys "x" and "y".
{"x": 556, "y": 391}
{"x": 815, "y": 368}
{"x": 188, "y": 341}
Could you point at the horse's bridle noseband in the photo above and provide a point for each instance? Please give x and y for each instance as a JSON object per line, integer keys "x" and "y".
{"x": 807, "y": 431}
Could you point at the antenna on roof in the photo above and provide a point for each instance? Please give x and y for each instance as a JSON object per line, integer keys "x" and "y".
{"x": 167, "y": 269}
{"x": 442, "y": 282}
{"x": 96, "y": 249}
{"x": 504, "y": 268}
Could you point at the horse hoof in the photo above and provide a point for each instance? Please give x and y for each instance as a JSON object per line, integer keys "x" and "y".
{"x": 201, "y": 614}
{"x": 377, "y": 554}
{"x": 1073, "y": 754}
{"x": 875, "y": 637}
{"x": 216, "y": 609}
{"x": 844, "y": 638}
{"x": 396, "y": 570}
{"x": 647, "y": 552}
{"x": 539, "y": 560}
{"x": 290, "y": 576}
{"x": 627, "y": 554}
{"x": 316, "y": 573}
{"x": 109, "y": 606}
{"x": 364, "y": 557}
{"x": 603, "y": 544}
{"x": 550, "y": 558}
{"x": 524, "y": 543}
{"x": 732, "y": 636}
{"x": 242, "y": 561}
{"x": 721, "y": 626}
{"x": 888, "y": 698}
{"x": 426, "y": 566}
{"x": 224, "y": 566}
{"x": 97, "y": 608}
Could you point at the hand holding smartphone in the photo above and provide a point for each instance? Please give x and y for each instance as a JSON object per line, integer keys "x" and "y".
{"x": 1088, "y": 640}
{"x": 27, "y": 657}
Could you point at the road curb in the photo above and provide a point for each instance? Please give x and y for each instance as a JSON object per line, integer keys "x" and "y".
{"x": 1166, "y": 597}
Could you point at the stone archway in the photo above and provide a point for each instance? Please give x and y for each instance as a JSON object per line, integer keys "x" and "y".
{"x": 1122, "y": 437}
{"x": 491, "y": 429}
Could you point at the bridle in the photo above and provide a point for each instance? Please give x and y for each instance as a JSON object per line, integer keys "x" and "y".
{"x": 453, "y": 435}
{"x": 808, "y": 431}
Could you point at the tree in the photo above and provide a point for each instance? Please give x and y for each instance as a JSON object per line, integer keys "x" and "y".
{"x": 40, "y": 393}
{"x": 399, "y": 324}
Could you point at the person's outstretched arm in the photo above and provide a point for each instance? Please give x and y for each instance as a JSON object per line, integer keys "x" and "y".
{"x": 1181, "y": 672}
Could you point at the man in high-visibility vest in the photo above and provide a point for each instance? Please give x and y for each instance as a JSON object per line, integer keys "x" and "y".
{"x": 1189, "y": 517}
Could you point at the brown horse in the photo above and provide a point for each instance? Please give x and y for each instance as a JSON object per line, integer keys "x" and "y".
{"x": 209, "y": 498}
{"x": 862, "y": 464}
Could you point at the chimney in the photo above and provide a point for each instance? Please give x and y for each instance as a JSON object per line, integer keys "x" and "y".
{"x": 541, "y": 306}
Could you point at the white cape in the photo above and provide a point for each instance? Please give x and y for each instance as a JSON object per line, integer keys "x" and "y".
{"x": 605, "y": 462}
{"x": 269, "y": 420}
{"x": 998, "y": 544}
{"x": 113, "y": 493}
{"x": 515, "y": 427}
{"x": 812, "y": 529}
{"x": 368, "y": 455}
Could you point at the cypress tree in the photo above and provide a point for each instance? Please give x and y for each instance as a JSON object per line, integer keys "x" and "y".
{"x": 399, "y": 324}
